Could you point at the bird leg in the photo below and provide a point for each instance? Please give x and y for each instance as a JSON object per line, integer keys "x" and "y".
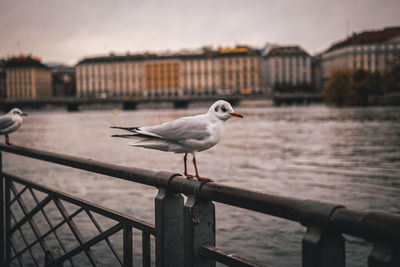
{"x": 197, "y": 171}
{"x": 186, "y": 173}
{"x": 7, "y": 139}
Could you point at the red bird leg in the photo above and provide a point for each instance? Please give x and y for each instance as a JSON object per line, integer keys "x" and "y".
{"x": 197, "y": 171}
{"x": 184, "y": 162}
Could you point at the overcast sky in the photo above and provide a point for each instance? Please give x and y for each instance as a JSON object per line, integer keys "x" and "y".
{"x": 67, "y": 31}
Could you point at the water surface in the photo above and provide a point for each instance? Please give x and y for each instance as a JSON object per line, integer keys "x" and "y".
{"x": 349, "y": 156}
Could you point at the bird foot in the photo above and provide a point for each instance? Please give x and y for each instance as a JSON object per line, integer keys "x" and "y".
{"x": 201, "y": 179}
{"x": 204, "y": 179}
{"x": 188, "y": 176}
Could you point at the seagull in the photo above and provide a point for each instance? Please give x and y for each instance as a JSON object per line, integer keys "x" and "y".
{"x": 11, "y": 122}
{"x": 184, "y": 135}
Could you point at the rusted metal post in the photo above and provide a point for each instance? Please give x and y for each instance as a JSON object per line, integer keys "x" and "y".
{"x": 383, "y": 255}
{"x": 7, "y": 223}
{"x": 323, "y": 248}
{"x": 2, "y": 223}
{"x": 199, "y": 228}
{"x": 128, "y": 246}
{"x": 169, "y": 229}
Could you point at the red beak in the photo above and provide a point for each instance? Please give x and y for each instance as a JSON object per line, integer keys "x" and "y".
{"x": 236, "y": 115}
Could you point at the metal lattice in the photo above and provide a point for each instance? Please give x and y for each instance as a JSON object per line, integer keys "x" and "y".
{"x": 23, "y": 227}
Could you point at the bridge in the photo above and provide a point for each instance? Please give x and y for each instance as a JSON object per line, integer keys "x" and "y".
{"x": 131, "y": 103}
{"x": 184, "y": 231}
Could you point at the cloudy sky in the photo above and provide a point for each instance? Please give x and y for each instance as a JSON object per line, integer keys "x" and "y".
{"x": 67, "y": 31}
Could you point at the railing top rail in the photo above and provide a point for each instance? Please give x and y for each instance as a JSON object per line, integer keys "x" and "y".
{"x": 372, "y": 226}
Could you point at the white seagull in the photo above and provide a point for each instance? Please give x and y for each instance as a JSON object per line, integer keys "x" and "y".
{"x": 11, "y": 122}
{"x": 185, "y": 135}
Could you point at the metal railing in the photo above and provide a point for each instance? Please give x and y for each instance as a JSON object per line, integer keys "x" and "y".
{"x": 184, "y": 232}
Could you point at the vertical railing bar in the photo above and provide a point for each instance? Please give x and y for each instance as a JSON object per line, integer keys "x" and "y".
{"x": 2, "y": 206}
{"x": 34, "y": 228}
{"x": 7, "y": 222}
{"x": 127, "y": 245}
{"x": 146, "y": 253}
{"x": 24, "y": 239}
{"x": 110, "y": 245}
{"x": 50, "y": 231}
{"x": 19, "y": 258}
{"x": 74, "y": 229}
{"x": 18, "y": 195}
{"x": 51, "y": 225}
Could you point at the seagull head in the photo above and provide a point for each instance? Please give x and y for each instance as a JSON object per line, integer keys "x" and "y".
{"x": 17, "y": 111}
{"x": 223, "y": 110}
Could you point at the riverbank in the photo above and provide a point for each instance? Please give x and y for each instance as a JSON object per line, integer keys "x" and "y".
{"x": 385, "y": 100}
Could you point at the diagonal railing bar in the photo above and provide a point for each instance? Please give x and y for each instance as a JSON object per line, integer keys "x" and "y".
{"x": 25, "y": 241}
{"x": 50, "y": 231}
{"x": 114, "y": 215}
{"x": 85, "y": 246}
{"x": 13, "y": 246}
{"x": 50, "y": 225}
{"x": 18, "y": 195}
{"x": 33, "y": 225}
{"x": 29, "y": 215}
{"x": 146, "y": 258}
{"x": 75, "y": 230}
{"x": 110, "y": 245}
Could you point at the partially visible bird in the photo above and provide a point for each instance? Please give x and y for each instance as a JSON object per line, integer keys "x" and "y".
{"x": 11, "y": 122}
{"x": 184, "y": 135}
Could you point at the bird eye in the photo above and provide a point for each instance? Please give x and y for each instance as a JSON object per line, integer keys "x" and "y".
{"x": 216, "y": 108}
{"x": 223, "y": 109}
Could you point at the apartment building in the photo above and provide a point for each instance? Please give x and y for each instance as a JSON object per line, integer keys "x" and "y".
{"x": 375, "y": 51}
{"x": 286, "y": 65}
{"x": 27, "y": 78}
{"x": 162, "y": 77}
{"x": 110, "y": 76}
{"x": 205, "y": 72}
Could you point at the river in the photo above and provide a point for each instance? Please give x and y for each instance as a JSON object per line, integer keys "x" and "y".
{"x": 349, "y": 156}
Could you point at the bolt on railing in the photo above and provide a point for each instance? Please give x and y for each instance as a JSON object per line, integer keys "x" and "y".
{"x": 185, "y": 232}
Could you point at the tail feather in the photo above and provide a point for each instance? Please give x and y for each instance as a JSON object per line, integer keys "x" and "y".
{"x": 158, "y": 144}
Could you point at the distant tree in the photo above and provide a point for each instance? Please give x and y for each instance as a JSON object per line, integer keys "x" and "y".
{"x": 339, "y": 90}
{"x": 348, "y": 88}
{"x": 364, "y": 84}
{"x": 391, "y": 81}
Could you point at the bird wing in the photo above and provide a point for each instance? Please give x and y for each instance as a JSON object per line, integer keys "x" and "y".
{"x": 179, "y": 130}
{"x": 5, "y": 122}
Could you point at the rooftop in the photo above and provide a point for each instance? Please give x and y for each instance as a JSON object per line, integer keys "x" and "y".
{"x": 287, "y": 51}
{"x": 205, "y": 53}
{"x": 368, "y": 37}
{"x": 24, "y": 61}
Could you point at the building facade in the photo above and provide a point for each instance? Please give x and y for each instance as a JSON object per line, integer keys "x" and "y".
{"x": 2, "y": 79}
{"x": 374, "y": 51}
{"x": 63, "y": 81}
{"x": 223, "y": 71}
{"x": 286, "y": 66}
{"x": 27, "y": 78}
